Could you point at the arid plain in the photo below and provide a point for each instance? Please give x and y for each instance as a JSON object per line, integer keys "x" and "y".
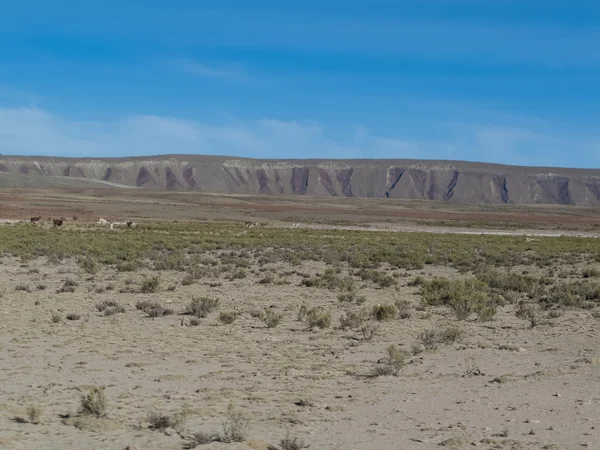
{"x": 253, "y": 322}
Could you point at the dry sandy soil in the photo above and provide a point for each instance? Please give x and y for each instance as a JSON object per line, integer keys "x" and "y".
{"x": 501, "y": 385}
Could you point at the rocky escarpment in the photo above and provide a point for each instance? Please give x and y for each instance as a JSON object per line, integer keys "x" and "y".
{"x": 456, "y": 182}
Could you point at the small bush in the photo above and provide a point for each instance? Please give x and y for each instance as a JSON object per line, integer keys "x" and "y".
{"x": 555, "y": 314}
{"x": 73, "y": 316}
{"x": 302, "y": 313}
{"x": 67, "y": 287}
{"x": 351, "y": 297}
{"x": 450, "y": 335}
{"x": 353, "y": 319}
{"x": 393, "y": 364}
{"x": 463, "y": 296}
{"x": 160, "y": 422}
{"x": 319, "y": 318}
{"x": 188, "y": 280}
{"x": 238, "y": 274}
{"x": 150, "y": 285}
{"x": 228, "y": 317}
{"x": 271, "y": 318}
{"x": 417, "y": 281}
{"x": 56, "y": 317}
{"x": 431, "y": 339}
{"x": 34, "y": 414}
{"x": 384, "y": 312}
{"x": 153, "y": 309}
{"x": 377, "y": 277}
{"x": 23, "y": 287}
{"x": 403, "y": 307}
{"x": 369, "y": 331}
{"x": 590, "y": 272}
{"x": 128, "y": 266}
{"x": 201, "y": 439}
{"x": 111, "y": 311}
{"x": 201, "y": 307}
{"x": 292, "y": 444}
{"x": 89, "y": 264}
{"x": 235, "y": 427}
{"x": 268, "y": 278}
{"x": 528, "y": 312}
{"x": 105, "y": 304}
{"x": 94, "y": 403}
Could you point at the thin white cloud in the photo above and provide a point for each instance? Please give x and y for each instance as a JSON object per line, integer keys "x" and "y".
{"x": 234, "y": 72}
{"x": 30, "y": 131}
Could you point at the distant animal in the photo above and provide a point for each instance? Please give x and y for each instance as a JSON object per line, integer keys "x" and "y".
{"x": 129, "y": 224}
{"x": 35, "y": 219}
{"x": 102, "y": 221}
{"x": 57, "y": 222}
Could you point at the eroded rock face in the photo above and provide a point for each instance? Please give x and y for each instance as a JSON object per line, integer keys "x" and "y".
{"x": 457, "y": 182}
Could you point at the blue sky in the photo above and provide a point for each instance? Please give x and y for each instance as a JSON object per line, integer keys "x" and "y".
{"x": 505, "y": 81}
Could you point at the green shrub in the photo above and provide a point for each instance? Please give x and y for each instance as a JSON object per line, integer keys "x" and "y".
{"x": 201, "y": 307}
{"x": 228, "y": 317}
{"x": 318, "y": 317}
{"x": 528, "y": 312}
{"x": 271, "y": 318}
{"x": 150, "y": 285}
{"x": 393, "y": 364}
{"x": 94, "y": 402}
{"x": 353, "y": 319}
{"x": 384, "y": 312}
{"x": 89, "y": 264}
{"x": 463, "y": 296}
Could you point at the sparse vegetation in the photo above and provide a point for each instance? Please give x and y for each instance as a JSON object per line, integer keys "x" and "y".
{"x": 271, "y": 318}
{"x": 290, "y": 443}
{"x": 228, "y": 317}
{"x": 318, "y": 317}
{"x": 464, "y": 296}
{"x": 529, "y": 313}
{"x": 68, "y": 287}
{"x": 73, "y": 316}
{"x": 384, "y": 312}
{"x": 150, "y": 285}
{"x": 34, "y": 413}
{"x": 403, "y": 308}
{"x": 94, "y": 402}
{"x": 89, "y": 264}
{"x": 393, "y": 364}
{"x": 235, "y": 427}
{"x": 353, "y": 319}
{"x": 201, "y": 307}
{"x": 268, "y": 278}
{"x": 369, "y": 331}
{"x": 432, "y": 338}
{"x": 484, "y": 275}
{"x": 153, "y": 309}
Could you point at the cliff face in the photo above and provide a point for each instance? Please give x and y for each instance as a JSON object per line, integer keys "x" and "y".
{"x": 457, "y": 182}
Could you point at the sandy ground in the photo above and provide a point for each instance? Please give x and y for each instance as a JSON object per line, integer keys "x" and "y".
{"x": 533, "y": 388}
